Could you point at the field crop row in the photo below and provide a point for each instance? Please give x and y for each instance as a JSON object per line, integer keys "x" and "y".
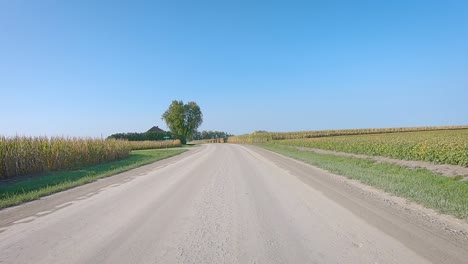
{"x": 443, "y": 146}
{"x": 32, "y": 155}
{"x": 261, "y": 137}
{"x": 154, "y": 144}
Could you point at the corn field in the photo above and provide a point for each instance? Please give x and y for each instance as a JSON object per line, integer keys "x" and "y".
{"x": 270, "y": 136}
{"x": 443, "y": 146}
{"x": 154, "y": 144}
{"x": 31, "y": 155}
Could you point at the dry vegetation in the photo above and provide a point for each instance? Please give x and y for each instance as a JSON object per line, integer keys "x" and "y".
{"x": 443, "y": 145}
{"x": 154, "y": 144}
{"x": 32, "y": 155}
{"x": 269, "y": 136}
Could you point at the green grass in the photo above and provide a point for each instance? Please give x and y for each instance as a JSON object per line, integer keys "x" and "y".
{"x": 446, "y": 195}
{"x": 33, "y": 188}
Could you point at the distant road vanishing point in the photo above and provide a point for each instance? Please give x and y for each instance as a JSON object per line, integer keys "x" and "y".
{"x": 223, "y": 203}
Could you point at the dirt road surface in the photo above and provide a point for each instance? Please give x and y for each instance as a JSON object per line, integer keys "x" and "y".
{"x": 223, "y": 203}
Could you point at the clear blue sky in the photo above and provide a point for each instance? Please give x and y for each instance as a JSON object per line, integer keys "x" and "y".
{"x": 86, "y": 68}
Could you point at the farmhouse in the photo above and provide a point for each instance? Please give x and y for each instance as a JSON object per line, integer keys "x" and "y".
{"x": 156, "y": 129}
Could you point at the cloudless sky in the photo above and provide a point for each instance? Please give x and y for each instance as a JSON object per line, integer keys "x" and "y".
{"x": 92, "y": 68}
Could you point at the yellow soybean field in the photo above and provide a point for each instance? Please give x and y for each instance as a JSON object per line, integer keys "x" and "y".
{"x": 260, "y": 137}
{"x": 443, "y": 146}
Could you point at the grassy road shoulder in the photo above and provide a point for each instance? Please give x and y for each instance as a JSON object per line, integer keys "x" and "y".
{"x": 31, "y": 189}
{"x": 446, "y": 195}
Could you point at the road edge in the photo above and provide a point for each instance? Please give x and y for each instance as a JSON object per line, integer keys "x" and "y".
{"x": 58, "y": 200}
{"x": 445, "y": 226}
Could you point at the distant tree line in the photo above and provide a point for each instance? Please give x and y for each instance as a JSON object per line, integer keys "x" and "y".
{"x": 143, "y": 136}
{"x": 210, "y": 135}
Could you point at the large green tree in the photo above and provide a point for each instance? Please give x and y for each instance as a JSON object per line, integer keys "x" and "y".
{"x": 183, "y": 119}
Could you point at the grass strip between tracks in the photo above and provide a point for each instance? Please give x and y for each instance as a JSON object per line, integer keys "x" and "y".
{"x": 30, "y": 189}
{"x": 446, "y": 195}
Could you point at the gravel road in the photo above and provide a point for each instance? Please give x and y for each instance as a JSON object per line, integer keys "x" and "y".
{"x": 223, "y": 203}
